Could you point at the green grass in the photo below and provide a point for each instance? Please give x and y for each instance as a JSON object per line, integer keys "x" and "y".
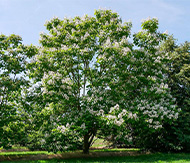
{"x": 18, "y": 147}
{"x": 115, "y": 150}
{"x": 23, "y": 153}
{"x": 151, "y": 158}
{"x": 100, "y": 143}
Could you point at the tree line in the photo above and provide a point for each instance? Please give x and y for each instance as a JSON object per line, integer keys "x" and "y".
{"x": 87, "y": 80}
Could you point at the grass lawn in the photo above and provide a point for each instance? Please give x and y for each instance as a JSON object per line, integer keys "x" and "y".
{"x": 148, "y": 158}
{"x": 100, "y": 143}
{"x": 98, "y": 154}
{"x": 17, "y": 153}
{"x": 151, "y": 158}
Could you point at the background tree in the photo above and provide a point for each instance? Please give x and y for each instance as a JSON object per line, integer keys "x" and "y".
{"x": 13, "y": 61}
{"x": 177, "y": 137}
{"x": 174, "y": 136}
{"x": 149, "y": 97}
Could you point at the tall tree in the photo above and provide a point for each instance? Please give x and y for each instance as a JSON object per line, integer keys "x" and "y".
{"x": 93, "y": 80}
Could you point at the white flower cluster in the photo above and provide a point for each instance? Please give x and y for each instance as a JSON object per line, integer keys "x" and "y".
{"x": 83, "y": 126}
{"x": 125, "y": 51}
{"x": 52, "y": 77}
{"x": 156, "y": 111}
{"x": 61, "y": 128}
{"x": 64, "y": 47}
{"x": 115, "y": 44}
{"x": 159, "y": 88}
{"x": 85, "y": 36}
{"x": 132, "y": 116}
{"x": 119, "y": 122}
{"x": 108, "y": 43}
{"x": 57, "y": 80}
{"x": 119, "y": 119}
{"x": 147, "y": 19}
{"x": 111, "y": 117}
{"x": 116, "y": 107}
{"x": 123, "y": 113}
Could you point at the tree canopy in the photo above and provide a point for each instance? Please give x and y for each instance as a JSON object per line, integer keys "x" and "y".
{"x": 13, "y": 64}
{"x": 87, "y": 80}
{"x": 93, "y": 79}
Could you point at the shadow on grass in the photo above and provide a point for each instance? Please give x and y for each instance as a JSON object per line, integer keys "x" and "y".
{"x": 150, "y": 158}
{"x": 115, "y": 150}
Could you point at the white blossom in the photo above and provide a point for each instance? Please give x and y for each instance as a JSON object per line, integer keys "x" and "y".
{"x": 83, "y": 126}
{"x": 61, "y": 128}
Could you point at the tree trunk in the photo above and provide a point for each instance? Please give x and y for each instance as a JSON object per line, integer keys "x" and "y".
{"x": 86, "y": 144}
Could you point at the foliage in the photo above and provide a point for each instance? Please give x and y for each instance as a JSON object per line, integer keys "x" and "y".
{"x": 87, "y": 80}
{"x": 94, "y": 82}
{"x": 176, "y": 136}
{"x": 179, "y": 82}
{"x": 13, "y": 62}
{"x": 180, "y": 87}
{"x": 153, "y": 84}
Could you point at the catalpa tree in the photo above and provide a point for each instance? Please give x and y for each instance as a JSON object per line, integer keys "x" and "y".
{"x": 93, "y": 82}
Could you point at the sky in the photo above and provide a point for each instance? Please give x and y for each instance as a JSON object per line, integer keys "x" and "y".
{"x": 27, "y": 17}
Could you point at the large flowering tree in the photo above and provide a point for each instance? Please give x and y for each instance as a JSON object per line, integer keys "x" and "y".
{"x": 94, "y": 81}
